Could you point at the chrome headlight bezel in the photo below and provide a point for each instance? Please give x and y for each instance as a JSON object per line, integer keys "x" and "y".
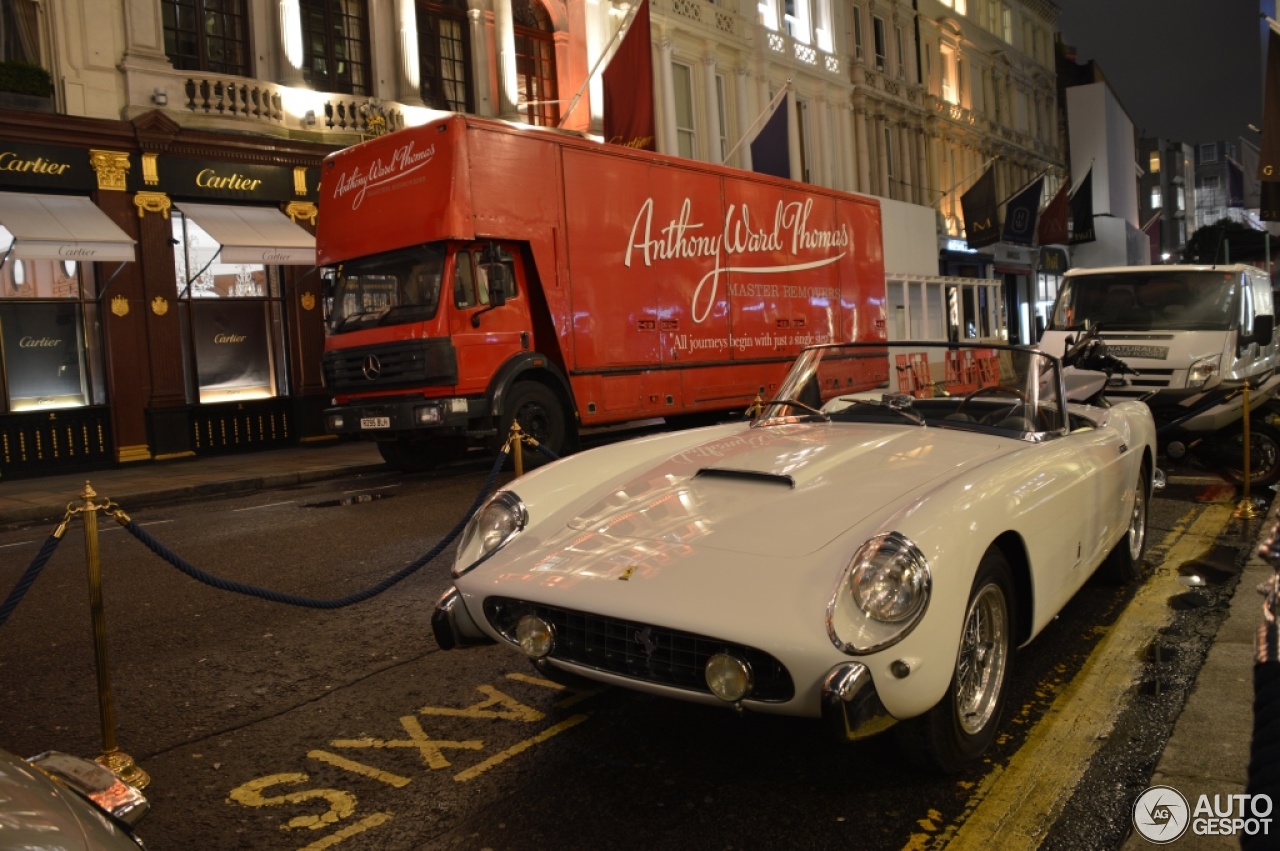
{"x": 889, "y": 557}
{"x": 1202, "y": 369}
{"x": 506, "y": 516}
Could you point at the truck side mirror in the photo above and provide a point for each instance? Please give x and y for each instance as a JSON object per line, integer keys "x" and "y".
{"x": 499, "y": 278}
{"x": 1263, "y": 330}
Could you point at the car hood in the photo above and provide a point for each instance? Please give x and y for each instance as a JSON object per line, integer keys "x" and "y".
{"x": 782, "y": 490}
{"x": 36, "y": 812}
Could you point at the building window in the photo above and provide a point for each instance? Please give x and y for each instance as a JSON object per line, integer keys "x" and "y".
{"x": 958, "y": 5}
{"x": 927, "y": 51}
{"x": 1006, "y": 22}
{"x": 1153, "y": 164}
{"x": 1156, "y": 199}
{"x": 444, "y": 56}
{"x": 686, "y": 137}
{"x": 723, "y": 111}
{"x": 54, "y": 304}
{"x": 877, "y": 27}
{"x": 20, "y": 31}
{"x": 207, "y": 35}
{"x": 962, "y": 82}
{"x": 1209, "y": 153}
{"x": 857, "y": 33}
{"x": 1182, "y": 200}
{"x": 535, "y": 63}
{"x": 335, "y": 38}
{"x": 232, "y": 321}
{"x": 948, "y": 69}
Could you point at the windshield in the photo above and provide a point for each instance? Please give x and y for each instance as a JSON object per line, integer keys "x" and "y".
{"x": 1148, "y": 301}
{"x": 1007, "y": 390}
{"x": 389, "y": 289}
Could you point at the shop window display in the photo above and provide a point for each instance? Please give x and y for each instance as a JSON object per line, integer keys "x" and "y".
{"x": 50, "y": 336}
{"x": 232, "y": 321}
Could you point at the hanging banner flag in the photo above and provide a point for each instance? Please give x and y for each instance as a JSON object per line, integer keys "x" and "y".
{"x": 1269, "y": 155}
{"x": 628, "y": 88}
{"x": 770, "y": 150}
{"x": 1082, "y": 211}
{"x": 1020, "y": 215}
{"x": 1052, "y": 229}
{"x": 978, "y": 206}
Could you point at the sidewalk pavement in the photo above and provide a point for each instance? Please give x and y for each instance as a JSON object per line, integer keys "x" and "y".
{"x": 1208, "y": 751}
{"x": 141, "y": 484}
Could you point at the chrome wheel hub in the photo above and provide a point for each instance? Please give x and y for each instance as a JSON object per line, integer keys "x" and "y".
{"x": 981, "y": 667}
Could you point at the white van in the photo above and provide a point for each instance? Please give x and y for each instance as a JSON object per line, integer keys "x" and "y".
{"x": 1196, "y": 335}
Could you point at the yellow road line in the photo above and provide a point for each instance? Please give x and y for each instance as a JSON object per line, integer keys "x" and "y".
{"x": 520, "y": 747}
{"x": 348, "y": 832}
{"x": 1014, "y": 806}
{"x": 359, "y": 768}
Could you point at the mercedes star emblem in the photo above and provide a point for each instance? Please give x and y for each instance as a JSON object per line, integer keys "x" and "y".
{"x": 372, "y": 367}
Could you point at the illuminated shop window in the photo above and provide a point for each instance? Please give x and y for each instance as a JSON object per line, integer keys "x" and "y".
{"x": 232, "y": 321}
{"x": 50, "y": 334}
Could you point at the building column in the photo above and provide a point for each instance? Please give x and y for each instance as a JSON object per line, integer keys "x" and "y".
{"x": 480, "y": 47}
{"x": 905, "y": 170}
{"x": 824, "y": 142}
{"x": 882, "y": 157}
{"x": 845, "y": 153}
{"x": 504, "y": 31}
{"x": 864, "y": 158}
{"x": 668, "y": 108}
{"x": 923, "y": 176}
{"x": 714, "y": 154}
{"x": 408, "y": 80}
{"x": 289, "y": 44}
{"x": 745, "y": 116}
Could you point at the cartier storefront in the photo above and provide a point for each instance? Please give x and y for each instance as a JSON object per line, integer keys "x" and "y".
{"x": 158, "y": 293}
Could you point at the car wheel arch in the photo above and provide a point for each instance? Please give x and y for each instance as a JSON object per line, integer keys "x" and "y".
{"x": 1014, "y": 550}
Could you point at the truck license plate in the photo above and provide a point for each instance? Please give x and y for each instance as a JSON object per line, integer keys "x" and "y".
{"x": 375, "y": 422}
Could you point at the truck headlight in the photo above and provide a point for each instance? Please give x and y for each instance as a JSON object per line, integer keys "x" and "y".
{"x": 427, "y": 415}
{"x": 335, "y": 422}
{"x": 881, "y": 595}
{"x": 489, "y": 530}
{"x": 1202, "y": 370}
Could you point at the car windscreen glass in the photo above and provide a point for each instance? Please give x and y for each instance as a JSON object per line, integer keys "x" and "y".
{"x": 1007, "y": 390}
{"x": 1148, "y": 301}
{"x": 389, "y": 289}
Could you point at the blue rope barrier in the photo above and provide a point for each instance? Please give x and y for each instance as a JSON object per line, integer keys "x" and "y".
{"x": 28, "y": 578}
{"x": 311, "y": 602}
{"x": 551, "y": 456}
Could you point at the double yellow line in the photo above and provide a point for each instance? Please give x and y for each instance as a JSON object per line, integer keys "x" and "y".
{"x": 1015, "y": 805}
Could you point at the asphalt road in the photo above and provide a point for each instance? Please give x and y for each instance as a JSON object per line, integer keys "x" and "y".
{"x": 265, "y": 726}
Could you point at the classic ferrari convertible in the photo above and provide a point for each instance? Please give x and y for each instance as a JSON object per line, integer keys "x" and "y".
{"x": 870, "y": 548}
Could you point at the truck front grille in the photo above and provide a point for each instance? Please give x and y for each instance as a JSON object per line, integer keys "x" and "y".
{"x": 410, "y": 363}
{"x": 640, "y": 651}
{"x": 1142, "y": 385}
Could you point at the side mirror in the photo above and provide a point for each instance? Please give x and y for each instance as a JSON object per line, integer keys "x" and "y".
{"x": 499, "y": 278}
{"x": 1263, "y": 330}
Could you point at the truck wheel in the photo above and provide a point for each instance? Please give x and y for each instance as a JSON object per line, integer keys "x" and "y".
{"x": 960, "y": 728}
{"x": 540, "y": 415}
{"x": 1264, "y": 454}
{"x": 1124, "y": 563}
{"x": 417, "y": 455}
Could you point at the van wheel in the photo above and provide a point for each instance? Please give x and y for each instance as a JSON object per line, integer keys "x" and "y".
{"x": 1264, "y": 454}
{"x": 1124, "y": 563}
{"x": 540, "y": 415}
{"x": 960, "y": 728}
{"x": 415, "y": 455}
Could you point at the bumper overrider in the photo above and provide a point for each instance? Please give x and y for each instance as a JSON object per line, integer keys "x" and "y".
{"x": 851, "y": 707}
{"x": 411, "y": 414}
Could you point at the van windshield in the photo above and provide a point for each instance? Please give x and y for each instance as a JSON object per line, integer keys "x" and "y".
{"x": 1149, "y": 301}
{"x": 389, "y": 289}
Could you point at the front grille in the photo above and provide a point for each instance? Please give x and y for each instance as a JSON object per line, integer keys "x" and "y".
{"x": 645, "y": 652}
{"x": 1143, "y": 385}
{"x": 411, "y": 363}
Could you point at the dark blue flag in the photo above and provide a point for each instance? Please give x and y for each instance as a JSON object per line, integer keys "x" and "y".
{"x": 770, "y": 152}
{"x": 978, "y": 205}
{"x": 1020, "y": 215}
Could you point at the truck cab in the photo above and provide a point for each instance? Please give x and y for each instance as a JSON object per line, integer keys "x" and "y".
{"x": 1197, "y": 335}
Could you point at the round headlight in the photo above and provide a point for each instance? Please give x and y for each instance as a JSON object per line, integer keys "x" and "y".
{"x": 489, "y": 529}
{"x": 890, "y": 581}
{"x": 535, "y": 636}
{"x": 728, "y": 677}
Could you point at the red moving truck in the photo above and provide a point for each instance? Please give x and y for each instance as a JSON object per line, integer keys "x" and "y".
{"x": 479, "y": 271}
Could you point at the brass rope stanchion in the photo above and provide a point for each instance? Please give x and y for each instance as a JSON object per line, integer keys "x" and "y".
{"x": 112, "y": 757}
{"x": 514, "y": 441}
{"x": 756, "y": 408}
{"x": 1246, "y": 509}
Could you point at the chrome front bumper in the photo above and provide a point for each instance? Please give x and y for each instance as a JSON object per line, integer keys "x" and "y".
{"x": 851, "y": 707}
{"x": 453, "y": 626}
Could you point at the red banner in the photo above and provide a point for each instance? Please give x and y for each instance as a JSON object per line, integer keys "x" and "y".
{"x": 628, "y": 88}
{"x": 1053, "y": 221}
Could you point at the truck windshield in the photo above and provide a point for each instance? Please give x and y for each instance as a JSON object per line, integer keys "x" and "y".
{"x": 1148, "y": 301}
{"x": 402, "y": 286}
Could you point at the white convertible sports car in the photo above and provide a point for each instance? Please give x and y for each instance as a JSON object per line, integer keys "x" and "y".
{"x": 871, "y": 548}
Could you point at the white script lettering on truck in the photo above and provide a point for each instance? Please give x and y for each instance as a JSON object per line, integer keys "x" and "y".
{"x": 680, "y": 239}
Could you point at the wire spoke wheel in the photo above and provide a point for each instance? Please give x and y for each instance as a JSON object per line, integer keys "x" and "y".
{"x": 1138, "y": 523}
{"x": 983, "y": 660}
